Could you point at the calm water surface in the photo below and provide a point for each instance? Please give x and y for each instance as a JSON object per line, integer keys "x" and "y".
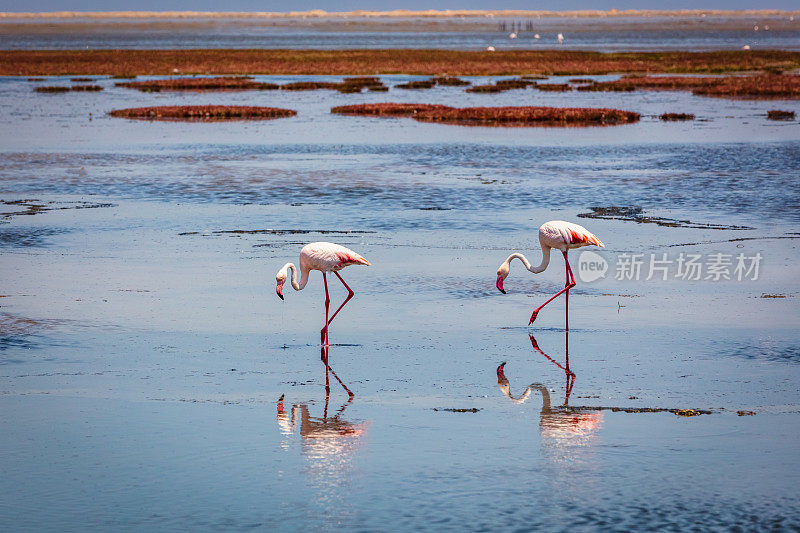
{"x": 613, "y": 34}
{"x": 143, "y": 350}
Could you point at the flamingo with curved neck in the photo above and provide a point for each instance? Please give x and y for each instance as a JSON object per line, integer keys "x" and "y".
{"x": 325, "y": 257}
{"x": 557, "y": 234}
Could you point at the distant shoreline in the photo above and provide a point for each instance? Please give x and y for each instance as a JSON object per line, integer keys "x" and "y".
{"x": 400, "y": 13}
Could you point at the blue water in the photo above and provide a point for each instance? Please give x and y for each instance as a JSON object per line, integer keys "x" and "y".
{"x": 143, "y": 350}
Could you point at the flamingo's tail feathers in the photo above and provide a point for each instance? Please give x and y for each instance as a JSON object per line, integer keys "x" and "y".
{"x": 358, "y": 260}
{"x": 353, "y": 259}
{"x": 588, "y": 238}
{"x": 594, "y": 240}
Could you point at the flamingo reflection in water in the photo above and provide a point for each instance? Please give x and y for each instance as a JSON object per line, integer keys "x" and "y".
{"x": 329, "y": 445}
{"x": 326, "y": 433}
{"x": 559, "y": 425}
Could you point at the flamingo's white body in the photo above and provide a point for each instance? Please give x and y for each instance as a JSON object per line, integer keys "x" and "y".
{"x": 325, "y": 257}
{"x": 322, "y": 256}
{"x": 560, "y": 38}
{"x": 556, "y": 234}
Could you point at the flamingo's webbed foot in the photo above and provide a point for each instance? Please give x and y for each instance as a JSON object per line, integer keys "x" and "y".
{"x": 533, "y": 316}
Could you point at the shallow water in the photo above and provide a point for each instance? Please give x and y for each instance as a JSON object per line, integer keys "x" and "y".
{"x": 143, "y": 350}
{"x": 613, "y": 34}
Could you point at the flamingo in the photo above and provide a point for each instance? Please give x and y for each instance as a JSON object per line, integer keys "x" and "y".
{"x": 560, "y": 38}
{"x": 557, "y": 234}
{"x": 325, "y": 257}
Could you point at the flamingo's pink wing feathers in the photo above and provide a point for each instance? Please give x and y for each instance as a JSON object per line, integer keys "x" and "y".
{"x": 351, "y": 258}
{"x": 585, "y": 237}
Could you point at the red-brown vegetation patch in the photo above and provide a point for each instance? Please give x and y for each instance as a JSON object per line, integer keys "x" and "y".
{"x": 764, "y": 86}
{"x": 350, "y": 62}
{"x": 310, "y": 85}
{"x": 203, "y": 112}
{"x": 770, "y": 86}
{"x": 385, "y": 109}
{"x": 348, "y": 85}
{"x": 230, "y": 83}
{"x": 449, "y": 81}
{"x": 78, "y": 80}
{"x": 607, "y": 86}
{"x": 51, "y": 89}
{"x": 490, "y": 88}
{"x": 357, "y": 84}
{"x": 363, "y": 80}
{"x": 661, "y": 83}
{"x": 528, "y": 116}
{"x": 674, "y": 117}
{"x": 418, "y": 84}
{"x": 581, "y": 80}
{"x": 515, "y": 84}
{"x": 777, "y": 114}
{"x": 553, "y": 87}
{"x": 36, "y": 79}
{"x": 502, "y": 85}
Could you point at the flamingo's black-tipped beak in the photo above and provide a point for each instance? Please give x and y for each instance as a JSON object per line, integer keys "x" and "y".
{"x": 279, "y": 290}
{"x": 500, "y": 285}
{"x": 500, "y": 374}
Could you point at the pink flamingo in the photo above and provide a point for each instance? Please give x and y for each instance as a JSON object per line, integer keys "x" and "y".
{"x": 557, "y": 234}
{"x": 325, "y": 257}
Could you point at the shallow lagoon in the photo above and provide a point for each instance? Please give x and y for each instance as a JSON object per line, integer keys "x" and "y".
{"x": 144, "y": 350}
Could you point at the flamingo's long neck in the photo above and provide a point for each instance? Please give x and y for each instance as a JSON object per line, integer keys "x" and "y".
{"x": 534, "y": 269}
{"x": 303, "y": 276}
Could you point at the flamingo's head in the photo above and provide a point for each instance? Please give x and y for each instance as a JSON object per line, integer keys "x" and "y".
{"x": 502, "y": 274}
{"x": 280, "y": 279}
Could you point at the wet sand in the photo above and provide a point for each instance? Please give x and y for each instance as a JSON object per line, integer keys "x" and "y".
{"x": 144, "y": 350}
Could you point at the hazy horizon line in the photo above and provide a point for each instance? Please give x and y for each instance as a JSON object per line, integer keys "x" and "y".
{"x": 429, "y": 13}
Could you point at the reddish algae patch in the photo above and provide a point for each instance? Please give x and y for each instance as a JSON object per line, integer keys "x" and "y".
{"x": 199, "y": 112}
{"x": 529, "y": 116}
{"x": 385, "y": 110}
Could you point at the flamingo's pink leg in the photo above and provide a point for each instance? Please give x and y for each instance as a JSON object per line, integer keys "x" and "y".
{"x": 566, "y": 295}
{"x": 568, "y": 286}
{"x": 324, "y": 332}
{"x": 350, "y": 294}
